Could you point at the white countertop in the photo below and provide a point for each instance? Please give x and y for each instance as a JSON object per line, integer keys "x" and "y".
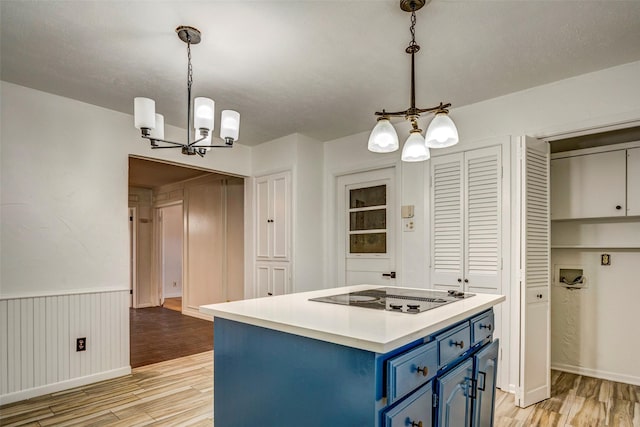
{"x": 374, "y": 330}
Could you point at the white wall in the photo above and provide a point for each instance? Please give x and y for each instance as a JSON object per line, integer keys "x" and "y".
{"x": 64, "y": 185}
{"x": 585, "y": 102}
{"x": 594, "y": 330}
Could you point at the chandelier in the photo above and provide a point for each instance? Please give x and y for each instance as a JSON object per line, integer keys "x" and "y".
{"x": 441, "y": 132}
{"x": 151, "y": 125}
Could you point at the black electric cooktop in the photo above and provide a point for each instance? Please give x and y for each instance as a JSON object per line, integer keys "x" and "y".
{"x": 396, "y": 299}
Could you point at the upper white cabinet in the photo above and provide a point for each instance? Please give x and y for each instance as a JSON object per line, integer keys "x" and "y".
{"x": 273, "y": 227}
{"x": 590, "y": 185}
{"x": 633, "y": 181}
{"x": 466, "y": 205}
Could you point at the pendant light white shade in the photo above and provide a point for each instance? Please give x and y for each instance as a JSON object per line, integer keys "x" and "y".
{"x": 414, "y": 149}
{"x": 158, "y": 131}
{"x": 383, "y": 138}
{"x": 441, "y": 132}
{"x": 144, "y": 113}
{"x": 229, "y": 125}
{"x": 203, "y": 113}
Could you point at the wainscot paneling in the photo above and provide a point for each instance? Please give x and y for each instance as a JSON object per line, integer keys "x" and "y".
{"x": 38, "y": 342}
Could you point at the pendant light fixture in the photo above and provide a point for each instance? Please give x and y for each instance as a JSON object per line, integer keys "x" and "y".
{"x": 441, "y": 132}
{"x": 200, "y": 119}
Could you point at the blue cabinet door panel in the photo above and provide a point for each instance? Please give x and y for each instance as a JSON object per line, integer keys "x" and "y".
{"x": 485, "y": 366}
{"x": 454, "y": 402}
{"x": 415, "y": 410}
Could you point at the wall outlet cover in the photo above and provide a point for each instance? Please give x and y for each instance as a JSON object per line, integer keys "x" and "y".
{"x": 81, "y": 344}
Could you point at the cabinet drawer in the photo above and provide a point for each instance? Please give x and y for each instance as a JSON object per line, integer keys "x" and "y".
{"x": 453, "y": 343}
{"x": 416, "y": 409}
{"x": 482, "y": 327}
{"x": 409, "y": 370}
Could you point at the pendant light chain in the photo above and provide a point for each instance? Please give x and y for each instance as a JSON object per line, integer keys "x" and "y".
{"x": 412, "y": 28}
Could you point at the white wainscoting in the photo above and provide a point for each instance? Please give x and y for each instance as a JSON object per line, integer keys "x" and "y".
{"x": 38, "y": 342}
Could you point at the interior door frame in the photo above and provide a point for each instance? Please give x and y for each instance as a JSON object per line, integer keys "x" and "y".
{"x": 133, "y": 255}
{"x": 338, "y": 256}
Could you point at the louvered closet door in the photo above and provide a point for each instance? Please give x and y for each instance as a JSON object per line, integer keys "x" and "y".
{"x": 482, "y": 220}
{"x": 447, "y": 222}
{"x": 535, "y": 261}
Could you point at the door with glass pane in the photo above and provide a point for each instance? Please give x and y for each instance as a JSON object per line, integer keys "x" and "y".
{"x": 365, "y": 224}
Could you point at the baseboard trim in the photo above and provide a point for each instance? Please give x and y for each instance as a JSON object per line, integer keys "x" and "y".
{"x": 189, "y": 311}
{"x": 596, "y": 373}
{"x": 63, "y": 385}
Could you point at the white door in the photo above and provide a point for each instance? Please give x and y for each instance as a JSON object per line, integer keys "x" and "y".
{"x": 365, "y": 228}
{"x": 535, "y": 370}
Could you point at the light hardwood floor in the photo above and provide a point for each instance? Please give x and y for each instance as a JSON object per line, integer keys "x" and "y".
{"x": 180, "y": 393}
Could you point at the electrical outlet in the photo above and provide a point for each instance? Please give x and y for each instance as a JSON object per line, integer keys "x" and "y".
{"x": 81, "y": 344}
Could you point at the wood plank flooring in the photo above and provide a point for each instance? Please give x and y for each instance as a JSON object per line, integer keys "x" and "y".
{"x": 575, "y": 401}
{"x": 174, "y": 304}
{"x": 158, "y": 334}
{"x": 180, "y": 393}
{"x": 173, "y": 393}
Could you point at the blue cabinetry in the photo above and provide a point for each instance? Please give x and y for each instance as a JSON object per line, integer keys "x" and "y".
{"x": 272, "y": 378}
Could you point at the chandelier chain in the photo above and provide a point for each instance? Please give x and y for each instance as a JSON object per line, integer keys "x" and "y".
{"x": 189, "y": 67}
{"x": 413, "y": 29}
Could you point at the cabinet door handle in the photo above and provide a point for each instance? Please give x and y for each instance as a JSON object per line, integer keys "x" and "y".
{"x": 618, "y": 207}
{"x": 466, "y": 280}
{"x": 391, "y": 275}
{"x": 459, "y": 280}
{"x": 270, "y": 294}
{"x": 424, "y": 371}
{"x": 416, "y": 424}
{"x": 456, "y": 343}
{"x": 484, "y": 380}
{"x": 485, "y": 326}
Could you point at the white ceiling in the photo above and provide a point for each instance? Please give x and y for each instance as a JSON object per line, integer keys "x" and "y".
{"x": 320, "y": 68}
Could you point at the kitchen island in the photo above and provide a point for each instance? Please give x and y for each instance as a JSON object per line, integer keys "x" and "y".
{"x": 288, "y": 361}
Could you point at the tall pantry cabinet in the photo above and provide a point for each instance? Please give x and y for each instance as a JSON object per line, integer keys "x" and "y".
{"x": 466, "y": 221}
{"x": 273, "y": 234}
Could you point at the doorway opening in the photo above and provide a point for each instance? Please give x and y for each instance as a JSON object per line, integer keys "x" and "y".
{"x": 180, "y": 221}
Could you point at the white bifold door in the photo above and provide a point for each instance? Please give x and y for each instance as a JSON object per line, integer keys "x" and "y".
{"x": 534, "y": 272}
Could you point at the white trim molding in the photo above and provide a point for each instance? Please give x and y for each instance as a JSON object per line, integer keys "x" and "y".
{"x": 597, "y": 373}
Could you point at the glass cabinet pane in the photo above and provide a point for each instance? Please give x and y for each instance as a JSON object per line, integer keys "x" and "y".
{"x": 371, "y": 243}
{"x": 368, "y": 196}
{"x": 368, "y": 220}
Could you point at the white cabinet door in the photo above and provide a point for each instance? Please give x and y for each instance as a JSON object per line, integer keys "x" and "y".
{"x": 482, "y": 220}
{"x": 272, "y": 278}
{"x": 465, "y": 220}
{"x": 273, "y": 217}
{"x": 263, "y": 223}
{"x": 589, "y": 186}
{"x": 447, "y": 221}
{"x": 633, "y": 181}
{"x": 280, "y": 217}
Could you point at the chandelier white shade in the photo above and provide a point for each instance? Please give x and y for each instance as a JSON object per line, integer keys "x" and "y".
{"x": 383, "y": 138}
{"x": 441, "y": 132}
{"x": 202, "y": 112}
{"x": 229, "y": 125}
{"x": 203, "y": 118}
{"x": 414, "y": 149}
